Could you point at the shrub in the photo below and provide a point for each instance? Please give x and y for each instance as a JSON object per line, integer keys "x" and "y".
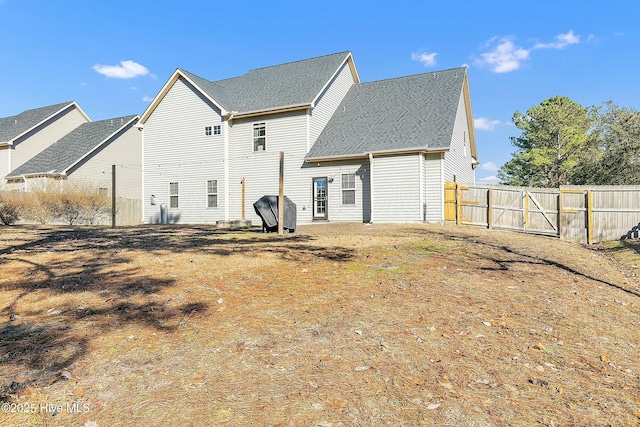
{"x": 11, "y": 207}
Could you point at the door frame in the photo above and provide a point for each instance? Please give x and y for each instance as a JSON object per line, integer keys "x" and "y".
{"x": 315, "y": 216}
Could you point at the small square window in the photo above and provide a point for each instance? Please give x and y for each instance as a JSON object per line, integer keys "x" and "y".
{"x": 217, "y": 130}
{"x": 207, "y": 130}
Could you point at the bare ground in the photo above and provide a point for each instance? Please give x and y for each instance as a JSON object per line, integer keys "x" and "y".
{"x": 336, "y": 325}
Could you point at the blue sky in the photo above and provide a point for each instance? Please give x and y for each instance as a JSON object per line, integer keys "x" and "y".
{"x": 112, "y": 57}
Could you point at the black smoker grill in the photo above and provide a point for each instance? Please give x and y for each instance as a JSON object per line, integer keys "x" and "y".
{"x": 267, "y": 209}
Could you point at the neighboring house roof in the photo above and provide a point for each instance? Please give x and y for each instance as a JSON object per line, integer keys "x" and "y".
{"x": 294, "y": 84}
{"x": 11, "y": 128}
{"x": 412, "y": 113}
{"x": 72, "y": 148}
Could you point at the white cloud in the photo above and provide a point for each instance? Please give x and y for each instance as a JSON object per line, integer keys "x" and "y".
{"x": 428, "y": 59}
{"x": 562, "y": 41}
{"x": 126, "y": 70}
{"x": 133, "y": 88}
{"x": 488, "y": 166}
{"x": 504, "y": 57}
{"x": 490, "y": 179}
{"x": 482, "y": 123}
{"x": 147, "y": 99}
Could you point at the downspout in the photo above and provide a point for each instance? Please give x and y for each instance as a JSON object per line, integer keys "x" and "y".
{"x": 228, "y": 125}
{"x": 371, "y": 188}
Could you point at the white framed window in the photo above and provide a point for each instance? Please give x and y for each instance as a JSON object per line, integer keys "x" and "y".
{"x": 212, "y": 193}
{"x": 348, "y": 188}
{"x": 259, "y": 137}
{"x": 207, "y": 130}
{"x": 217, "y": 130}
{"x": 103, "y": 191}
{"x": 173, "y": 194}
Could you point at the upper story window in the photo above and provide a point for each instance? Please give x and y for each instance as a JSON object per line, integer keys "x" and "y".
{"x": 207, "y": 130}
{"x": 348, "y": 188}
{"x": 259, "y": 137}
{"x": 217, "y": 130}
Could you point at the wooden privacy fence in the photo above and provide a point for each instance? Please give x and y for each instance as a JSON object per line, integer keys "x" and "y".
{"x": 573, "y": 213}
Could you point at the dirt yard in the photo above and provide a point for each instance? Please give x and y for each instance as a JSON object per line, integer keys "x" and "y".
{"x": 336, "y": 325}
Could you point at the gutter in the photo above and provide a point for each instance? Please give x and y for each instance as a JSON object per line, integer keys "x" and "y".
{"x": 376, "y": 153}
{"x": 254, "y": 113}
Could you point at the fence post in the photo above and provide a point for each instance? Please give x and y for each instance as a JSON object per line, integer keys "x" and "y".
{"x": 560, "y": 212}
{"x": 458, "y": 207}
{"x": 489, "y": 208}
{"x": 589, "y": 217}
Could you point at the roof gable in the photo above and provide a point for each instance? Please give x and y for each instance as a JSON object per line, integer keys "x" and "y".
{"x": 14, "y": 126}
{"x": 278, "y": 87}
{"x": 59, "y": 157}
{"x": 407, "y": 113}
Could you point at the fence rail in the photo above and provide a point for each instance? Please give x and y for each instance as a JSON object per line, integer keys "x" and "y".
{"x": 576, "y": 214}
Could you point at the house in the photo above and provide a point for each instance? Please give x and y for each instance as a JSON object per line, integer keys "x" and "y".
{"x": 85, "y": 155}
{"x": 378, "y": 151}
{"x": 26, "y": 134}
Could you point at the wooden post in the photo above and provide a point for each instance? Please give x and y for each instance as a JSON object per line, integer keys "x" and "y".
{"x": 490, "y": 208}
{"x": 281, "y": 196}
{"x": 560, "y": 213}
{"x": 458, "y": 207}
{"x": 113, "y": 196}
{"x": 525, "y": 210}
{"x": 242, "y": 198}
{"x": 589, "y": 217}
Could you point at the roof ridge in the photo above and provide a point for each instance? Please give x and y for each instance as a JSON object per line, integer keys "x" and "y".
{"x": 299, "y": 60}
{"x": 415, "y": 75}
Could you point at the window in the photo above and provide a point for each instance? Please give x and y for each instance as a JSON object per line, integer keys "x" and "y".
{"x": 217, "y": 130}
{"x": 103, "y": 191}
{"x": 259, "y": 137}
{"x": 173, "y": 194}
{"x": 348, "y": 188}
{"x": 207, "y": 130}
{"x": 212, "y": 193}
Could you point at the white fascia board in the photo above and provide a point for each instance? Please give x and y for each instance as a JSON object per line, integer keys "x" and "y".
{"x": 165, "y": 89}
{"x": 375, "y": 153}
{"x": 103, "y": 142}
{"x": 71, "y": 104}
{"x": 354, "y": 73}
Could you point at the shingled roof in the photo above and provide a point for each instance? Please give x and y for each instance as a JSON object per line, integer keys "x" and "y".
{"x": 406, "y": 113}
{"x": 271, "y": 88}
{"x": 73, "y": 147}
{"x": 14, "y": 126}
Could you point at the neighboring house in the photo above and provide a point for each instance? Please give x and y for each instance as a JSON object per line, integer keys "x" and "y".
{"x": 85, "y": 156}
{"x": 28, "y": 133}
{"x": 378, "y": 151}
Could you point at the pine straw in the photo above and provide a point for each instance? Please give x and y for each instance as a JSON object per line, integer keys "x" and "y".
{"x": 341, "y": 324}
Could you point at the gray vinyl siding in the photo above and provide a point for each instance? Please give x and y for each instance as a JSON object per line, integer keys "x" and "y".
{"x": 433, "y": 187}
{"x": 5, "y": 152}
{"x": 124, "y": 151}
{"x": 44, "y": 135}
{"x": 396, "y": 188}
{"x": 338, "y": 212}
{"x": 457, "y": 161}
{"x": 329, "y": 101}
{"x": 176, "y": 149}
{"x": 286, "y": 132}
